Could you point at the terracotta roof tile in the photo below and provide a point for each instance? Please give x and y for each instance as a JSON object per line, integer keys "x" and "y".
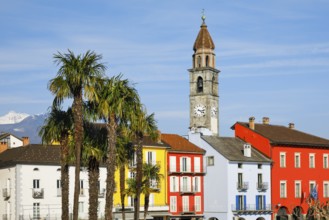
{"x": 179, "y": 143}
{"x": 203, "y": 39}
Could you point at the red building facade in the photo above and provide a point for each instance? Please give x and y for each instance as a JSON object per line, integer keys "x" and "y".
{"x": 185, "y": 178}
{"x": 300, "y": 164}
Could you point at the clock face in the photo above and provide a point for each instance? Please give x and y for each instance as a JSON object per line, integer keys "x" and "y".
{"x": 213, "y": 111}
{"x": 199, "y": 110}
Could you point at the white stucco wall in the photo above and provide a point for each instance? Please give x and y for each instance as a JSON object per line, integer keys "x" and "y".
{"x": 22, "y": 177}
{"x": 7, "y": 181}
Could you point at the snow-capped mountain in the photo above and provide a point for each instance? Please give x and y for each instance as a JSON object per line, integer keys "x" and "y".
{"x": 13, "y": 117}
{"x": 25, "y": 126}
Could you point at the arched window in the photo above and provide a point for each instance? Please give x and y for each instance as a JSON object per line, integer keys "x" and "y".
{"x": 200, "y": 84}
{"x": 207, "y": 61}
{"x": 199, "y": 61}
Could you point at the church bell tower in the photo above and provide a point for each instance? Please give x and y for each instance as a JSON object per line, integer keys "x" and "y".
{"x": 204, "y": 105}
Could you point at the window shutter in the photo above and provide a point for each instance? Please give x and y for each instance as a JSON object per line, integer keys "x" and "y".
{"x": 181, "y": 164}
{"x": 176, "y": 185}
{"x": 153, "y": 158}
{"x": 257, "y": 203}
{"x": 189, "y": 184}
{"x": 172, "y": 165}
{"x": 197, "y": 167}
{"x": 188, "y": 164}
{"x": 181, "y": 184}
{"x": 237, "y": 203}
{"x": 171, "y": 184}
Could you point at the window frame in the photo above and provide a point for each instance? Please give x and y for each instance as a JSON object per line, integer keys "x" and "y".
{"x": 297, "y": 165}
{"x": 283, "y": 189}
{"x": 283, "y": 159}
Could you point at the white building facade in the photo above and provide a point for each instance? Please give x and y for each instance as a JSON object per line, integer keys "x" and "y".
{"x": 237, "y": 181}
{"x": 31, "y": 187}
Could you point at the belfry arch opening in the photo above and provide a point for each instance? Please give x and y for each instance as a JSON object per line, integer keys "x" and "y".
{"x": 200, "y": 84}
{"x": 207, "y": 61}
{"x": 199, "y": 61}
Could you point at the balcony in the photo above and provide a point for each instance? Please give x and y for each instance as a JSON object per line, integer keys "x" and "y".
{"x": 5, "y": 217}
{"x": 6, "y": 193}
{"x": 37, "y": 193}
{"x": 242, "y": 186}
{"x": 101, "y": 193}
{"x": 262, "y": 186}
{"x": 251, "y": 209}
{"x": 185, "y": 191}
{"x": 186, "y": 170}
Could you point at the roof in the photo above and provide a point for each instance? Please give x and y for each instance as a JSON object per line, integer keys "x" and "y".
{"x": 203, "y": 39}
{"x": 232, "y": 149}
{"x": 147, "y": 142}
{"x": 4, "y": 135}
{"x": 281, "y": 135}
{"x": 31, "y": 154}
{"x": 180, "y": 144}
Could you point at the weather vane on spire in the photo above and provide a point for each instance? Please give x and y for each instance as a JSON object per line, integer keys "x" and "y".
{"x": 203, "y": 17}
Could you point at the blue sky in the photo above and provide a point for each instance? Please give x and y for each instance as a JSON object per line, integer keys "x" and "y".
{"x": 273, "y": 55}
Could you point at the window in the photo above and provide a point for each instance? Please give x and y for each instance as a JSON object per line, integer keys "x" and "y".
{"x": 36, "y": 210}
{"x": 326, "y": 189}
{"x": 298, "y": 189}
{"x": 240, "y": 202}
{"x": 59, "y": 187}
{"x": 260, "y": 181}
{"x": 36, "y": 184}
{"x": 207, "y": 61}
{"x": 173, "y": 204}
{"x": 297, "y": 160}
{"x": 185, "y": 203}
{"x": 210, "y": 161}
{"x": 240, "y": 180}
{"x": 200, "y": 84}
{"x": 133, "y": 160}
{"x": 239, "y": 165}
{"x": 81, "y": 188}
{"x": 312, "y": 185}
{"x": 130, "y": 201}
{"x": 197, "y": 164}
{"x": 259, "y": 166}
{"x": 196, "y": 184}
{"x": 199, "y": 61}
{"x": 185, "y": 184}
{"x": 197, "y": 203}
{"x": 150, "y": 157}
{"x": 172, "y": 164}
{"x": 282, "y": 159}
{"x": 185, "y": 165}
{"x": 325, "y": 161}
{"x": 173, "y": 184}
{"x": 260, "y": 202}
{"x": 312, "y": 160}
{"x": 283, "y": 189}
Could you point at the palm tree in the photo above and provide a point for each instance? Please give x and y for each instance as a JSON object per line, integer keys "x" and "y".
{"x": 57, "y": 128}
{"x": 151, "y": 183}
{"x": 141, "y": 125}
{"x": 125, "y": 152}
{"x": 117, "y": 101}
{"x": 76, "y": 78}
{"x": 93, "y": 154}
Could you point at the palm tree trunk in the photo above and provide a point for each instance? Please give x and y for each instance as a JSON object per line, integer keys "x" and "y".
{"x": 93, "y": 168}
{"x": 122, "y": 188}
{"x": 65, "y": 179}
{"x": 139, "y": 177}
{"x": 110, "y": 165}
{"x": 146, "y": 204}
{"x": 78, "y": 139}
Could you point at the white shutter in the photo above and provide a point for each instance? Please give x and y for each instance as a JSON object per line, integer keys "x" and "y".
{"x": 189, "y": 184}
{"x": 151, "y": 201}
{"x": 181, "y": 164}
{"x": 153, "y": 158}
{"x": 173, "y": 204}
{"x": 197, "y": 164}
{"x": 188, "y": 164}
{"x": 172, "y": 164}
{"x": 171, "y": 182}
{"x": 197, "y": 203}
{"x": 185, "y": 204}
{"x": 147, "y": 157}
{"x": 176, "y": 184}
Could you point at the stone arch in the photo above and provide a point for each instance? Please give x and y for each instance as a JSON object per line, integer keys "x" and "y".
{"x": 240, "y": 218}
{"x": 213, "y": 218}
{"x": 260, "y": 218}
{"x": 282, "y": 213}
{"x": 200, "y": 84}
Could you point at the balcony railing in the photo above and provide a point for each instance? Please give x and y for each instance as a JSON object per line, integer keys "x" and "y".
{"x": 186, "y": 170}
{"x": 37, "y": 193}
{"x": 6, "y": 193}
{"x": 5, "y": 217}
{"x": 186, "y": 191}
{"x": 262, "y": 186}
{"x": 252, "y": 208}
{"x": 242, "y": 186}
{"x": 101, "y": 193}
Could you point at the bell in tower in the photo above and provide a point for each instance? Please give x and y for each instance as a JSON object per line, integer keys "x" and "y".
{"x": 204, "y": 83}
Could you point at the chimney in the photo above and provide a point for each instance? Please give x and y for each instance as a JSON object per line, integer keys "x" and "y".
{"x": 26, "y": 141}
{"x": 3, "y": 146}
{"x": 247, "y": 150}
{"x": 266, "y": 120}
{"x": 291, "y": 125}
{"x": 252, "y": 123}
